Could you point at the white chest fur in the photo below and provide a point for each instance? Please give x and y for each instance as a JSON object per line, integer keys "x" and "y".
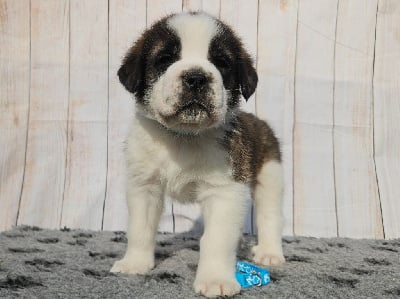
{"x": 181, "y": 165}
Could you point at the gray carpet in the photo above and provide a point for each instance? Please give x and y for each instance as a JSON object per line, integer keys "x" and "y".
{"x": 37, "y": 263}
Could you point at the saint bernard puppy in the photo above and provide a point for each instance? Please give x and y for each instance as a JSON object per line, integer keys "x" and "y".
{"x": 190, "y": 140}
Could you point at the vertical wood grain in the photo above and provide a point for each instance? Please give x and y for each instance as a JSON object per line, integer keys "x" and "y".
{"x": 275, "y": 92}
{"x": 355, "y": 177}
{"x": 127, "y": 20}
{"x": 64, "y": 115}
{"x": 14, "y": 104}
{"x": 43, "y": 187}
{"x": 86, "y": 167}
{"x": 157, "y": 9}
{"x": 314, "y": 195}
{"x": 387, "y": 113}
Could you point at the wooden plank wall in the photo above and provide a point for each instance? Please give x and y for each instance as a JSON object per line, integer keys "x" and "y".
{"x": 329, "y": 84}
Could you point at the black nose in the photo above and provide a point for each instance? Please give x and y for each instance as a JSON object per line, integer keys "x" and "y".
{"x": 195, "y": 79}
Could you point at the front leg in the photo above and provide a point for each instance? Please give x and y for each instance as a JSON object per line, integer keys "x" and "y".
{"x": 224, "y": 211}
{"x": 145, "y": 203}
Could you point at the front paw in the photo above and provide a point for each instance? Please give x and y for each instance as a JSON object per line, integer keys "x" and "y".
{"x": 266, "y": 256}
{"x": 133, "y": 265}
{"x": 212, "y": 288}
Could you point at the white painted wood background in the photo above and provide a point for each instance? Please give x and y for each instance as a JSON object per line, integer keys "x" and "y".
{"x": 329, "y": 85}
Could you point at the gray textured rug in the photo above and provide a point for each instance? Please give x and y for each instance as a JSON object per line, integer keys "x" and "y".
{"x": 37, "y": 263}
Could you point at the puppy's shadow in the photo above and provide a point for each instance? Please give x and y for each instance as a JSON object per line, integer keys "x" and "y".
{"x": 169, "y": 244}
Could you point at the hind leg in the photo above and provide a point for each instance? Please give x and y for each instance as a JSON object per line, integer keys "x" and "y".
{"x": 268, "y": 203}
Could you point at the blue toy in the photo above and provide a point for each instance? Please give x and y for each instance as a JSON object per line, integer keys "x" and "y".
{"x": 250, "y": 275}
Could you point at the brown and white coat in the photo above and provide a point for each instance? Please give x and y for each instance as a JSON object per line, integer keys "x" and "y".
{"x": 189, "y": 140}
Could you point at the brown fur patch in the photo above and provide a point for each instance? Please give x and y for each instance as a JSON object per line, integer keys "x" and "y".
{"x": 251, "y": 143}
{"x": 138, "y": 70}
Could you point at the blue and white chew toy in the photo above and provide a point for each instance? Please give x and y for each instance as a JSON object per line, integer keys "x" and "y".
{"x": 249, "y": 275}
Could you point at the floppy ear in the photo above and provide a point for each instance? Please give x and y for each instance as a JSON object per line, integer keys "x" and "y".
{"x": 247, "y": 77}
{"x": 131, "y": 72}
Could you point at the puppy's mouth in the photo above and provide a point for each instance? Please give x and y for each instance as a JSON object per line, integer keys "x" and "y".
{"x": 192, "y": 115}
{"x": 193, "y": 112}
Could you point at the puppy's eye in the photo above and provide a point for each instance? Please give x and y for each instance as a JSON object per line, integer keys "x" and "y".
{"x": 221, "y": 62}
{"x": 163, "y": 59}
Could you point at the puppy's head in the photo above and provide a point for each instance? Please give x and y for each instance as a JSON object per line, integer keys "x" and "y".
{"x": 188, "y": 72}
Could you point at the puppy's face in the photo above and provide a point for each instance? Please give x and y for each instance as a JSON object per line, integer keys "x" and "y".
{"x": 188, "y": 72}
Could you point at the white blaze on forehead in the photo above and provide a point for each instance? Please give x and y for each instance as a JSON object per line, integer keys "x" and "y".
{"x": 195, "y": 33}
